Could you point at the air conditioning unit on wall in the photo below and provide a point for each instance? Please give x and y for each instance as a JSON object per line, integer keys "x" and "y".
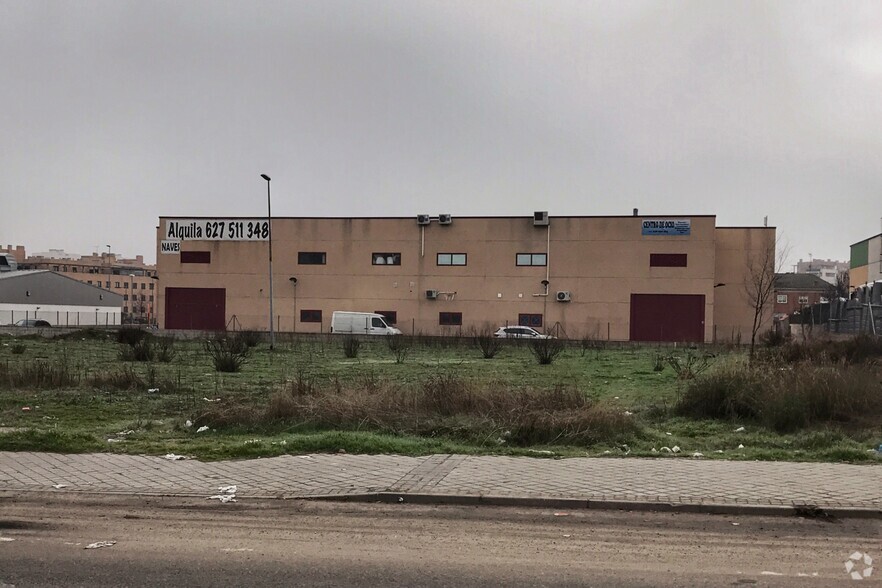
{"x": 432, "y": 294}
{"x": 423, "y": 219}
{"x": 564, "y": 296}
{"x": 445, "y": 219}
{"x": 540, "y": 218}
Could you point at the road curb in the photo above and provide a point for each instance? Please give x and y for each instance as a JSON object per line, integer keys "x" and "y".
{"x": 557, "y": 503}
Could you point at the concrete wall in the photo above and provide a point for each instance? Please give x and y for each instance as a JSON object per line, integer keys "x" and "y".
{"x": 601, "y": 260}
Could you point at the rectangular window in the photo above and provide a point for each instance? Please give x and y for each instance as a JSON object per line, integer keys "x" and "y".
{"x": 125, "y": 285}
{"x": 151, "y": 298}
{"x": 125, "y": 296}
{"x": 530, "y": 320}
{"x": 391, "y": 316}
{"x": 115, "y": 284}
{"x": 125, "y": 309}
{"x": 143, "y": 286}
{"x": 74, "y": 269}
{"x": 195, "y": 256}
{"x": 107, "y": 284}
{"x": 803, "y": 299}
{"x": 452, "y": 259}
{"x": 312, "y": 258}
{"x": 531, "y": 259}
{"x": 781, "y": 299}
{"x": 386, "y": 258}
{"x": 667, "y": 260}
{"x": 89, "y": 282}
{"x": 151, "y": 285}
{"x": 450, "y": 318}
{"x": 310, "y": 316}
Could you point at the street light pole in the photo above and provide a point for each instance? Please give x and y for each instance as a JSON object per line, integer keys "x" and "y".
{"x": 269, "y": 220}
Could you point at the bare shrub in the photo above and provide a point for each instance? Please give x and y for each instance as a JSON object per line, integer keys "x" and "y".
{"x": 165, "y": 349}
{"x": 690, "y": 365}
{"x": 546, "y": 350}
{"x": 447, "y": 405}
{"x": 486, "y": 341}
{"x": 249, "y": 338}
{"x": 351, "y": 345}
{"x": 227, "y": 355}
{"x": 787, "y": 399}
{"x": 400, "y": 346}
{"x": 18, "y": 348}
{"x": 39, "y": 373}
{"x": 124, "y": 378}
{"x": 131, "y": 335}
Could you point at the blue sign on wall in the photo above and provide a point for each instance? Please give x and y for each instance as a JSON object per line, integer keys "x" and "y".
{"x": 665, "y": 226}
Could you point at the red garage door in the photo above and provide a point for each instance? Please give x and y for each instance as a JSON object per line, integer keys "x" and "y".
{"x": 195, "y": 308}
{"x": 667, "y": 317}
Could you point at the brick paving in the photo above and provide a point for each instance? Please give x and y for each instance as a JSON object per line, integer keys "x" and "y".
{"x": 667, "y": 480}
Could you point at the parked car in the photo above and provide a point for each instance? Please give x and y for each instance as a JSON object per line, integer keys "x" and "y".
{"x": 32, "y": 323}
{"x": 520, "y": 333}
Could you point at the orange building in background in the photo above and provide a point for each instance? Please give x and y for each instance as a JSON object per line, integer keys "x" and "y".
{"x": 638, "y": 278}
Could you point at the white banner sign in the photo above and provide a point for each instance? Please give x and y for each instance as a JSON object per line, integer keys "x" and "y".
{"x": 216, "y": 229}
{"x": 170, "y": 246}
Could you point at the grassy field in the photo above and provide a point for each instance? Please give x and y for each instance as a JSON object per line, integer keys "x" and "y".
{"x": 76, "y": 394}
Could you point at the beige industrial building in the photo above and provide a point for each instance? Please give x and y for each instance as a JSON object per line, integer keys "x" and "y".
{"x": 659, "y": 278}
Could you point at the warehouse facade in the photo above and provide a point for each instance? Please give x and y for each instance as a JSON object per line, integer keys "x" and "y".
{"x": 671, "y": 278}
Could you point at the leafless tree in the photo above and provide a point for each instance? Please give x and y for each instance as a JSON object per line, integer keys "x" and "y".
{"x": 759, "y": 285}
{"x": 840, "y": 288}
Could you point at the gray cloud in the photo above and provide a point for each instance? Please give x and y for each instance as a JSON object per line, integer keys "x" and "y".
{"x": 114, "y": 113}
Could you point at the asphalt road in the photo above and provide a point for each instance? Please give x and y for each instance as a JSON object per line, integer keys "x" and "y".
{"x": 191, "y": 542}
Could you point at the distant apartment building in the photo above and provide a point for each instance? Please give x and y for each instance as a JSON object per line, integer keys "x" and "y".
{"x": 133, "y": 279}
{"x": 866, "y": 261}
{"x": 826, "y": 269}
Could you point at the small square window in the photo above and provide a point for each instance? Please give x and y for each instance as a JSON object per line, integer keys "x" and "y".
{"x": 386, "y": 258}
{"x": 781, "y": 299}
{"x": 531, "y": 259}
{"x": 312, "y": 258}
{"x": 310, "y": 316}
{"x": 450, "y": 318}
{"x": 391, "y": 316}
{"x": 803, "y": 299}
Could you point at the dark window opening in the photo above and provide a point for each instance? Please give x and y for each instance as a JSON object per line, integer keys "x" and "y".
{"x": 667, "y": 260}
{"x": 310, "y": 316}
{"x": 195, "y": 256}
{"x": 450, "y": 318}
{"x": 391, "y": 316}
{"x": 530, "y": 320}
{"x": 312, "y": 258}
{"x": 386, "y": 258}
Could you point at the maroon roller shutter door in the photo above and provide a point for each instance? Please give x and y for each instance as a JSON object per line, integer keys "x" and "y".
{"x": 667, "y": 317}
{"x": 195, "y": 308}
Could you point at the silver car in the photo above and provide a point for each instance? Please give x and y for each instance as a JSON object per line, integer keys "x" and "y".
{"x": 520, "y": 333}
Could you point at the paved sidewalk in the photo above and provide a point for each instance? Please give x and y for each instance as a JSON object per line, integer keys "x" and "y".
{"x": 678, "y": 481}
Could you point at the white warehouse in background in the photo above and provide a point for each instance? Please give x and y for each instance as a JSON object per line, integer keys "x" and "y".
{"x": 57, "y": 299}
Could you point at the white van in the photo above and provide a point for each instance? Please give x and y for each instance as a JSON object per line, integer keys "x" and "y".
{"x": 360, "y": 323}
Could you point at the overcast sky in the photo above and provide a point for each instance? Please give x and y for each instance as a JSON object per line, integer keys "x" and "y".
{"x": 114, "y": 113}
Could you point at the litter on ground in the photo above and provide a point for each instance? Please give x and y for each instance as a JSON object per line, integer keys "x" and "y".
{"x": 739, "y": 430}
{"x": 151, "y": 390}
{"x": 59, "y": 486}
{"x": 100, "y": 544}
{"x": 202, "y": 429}
{"x": 173, "y": 457}
{"x": 232, "y": 489}
{"x": 224, "y": 498}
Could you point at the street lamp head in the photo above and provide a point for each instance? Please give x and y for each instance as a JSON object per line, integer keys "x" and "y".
{"x": 265, "y": 177}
